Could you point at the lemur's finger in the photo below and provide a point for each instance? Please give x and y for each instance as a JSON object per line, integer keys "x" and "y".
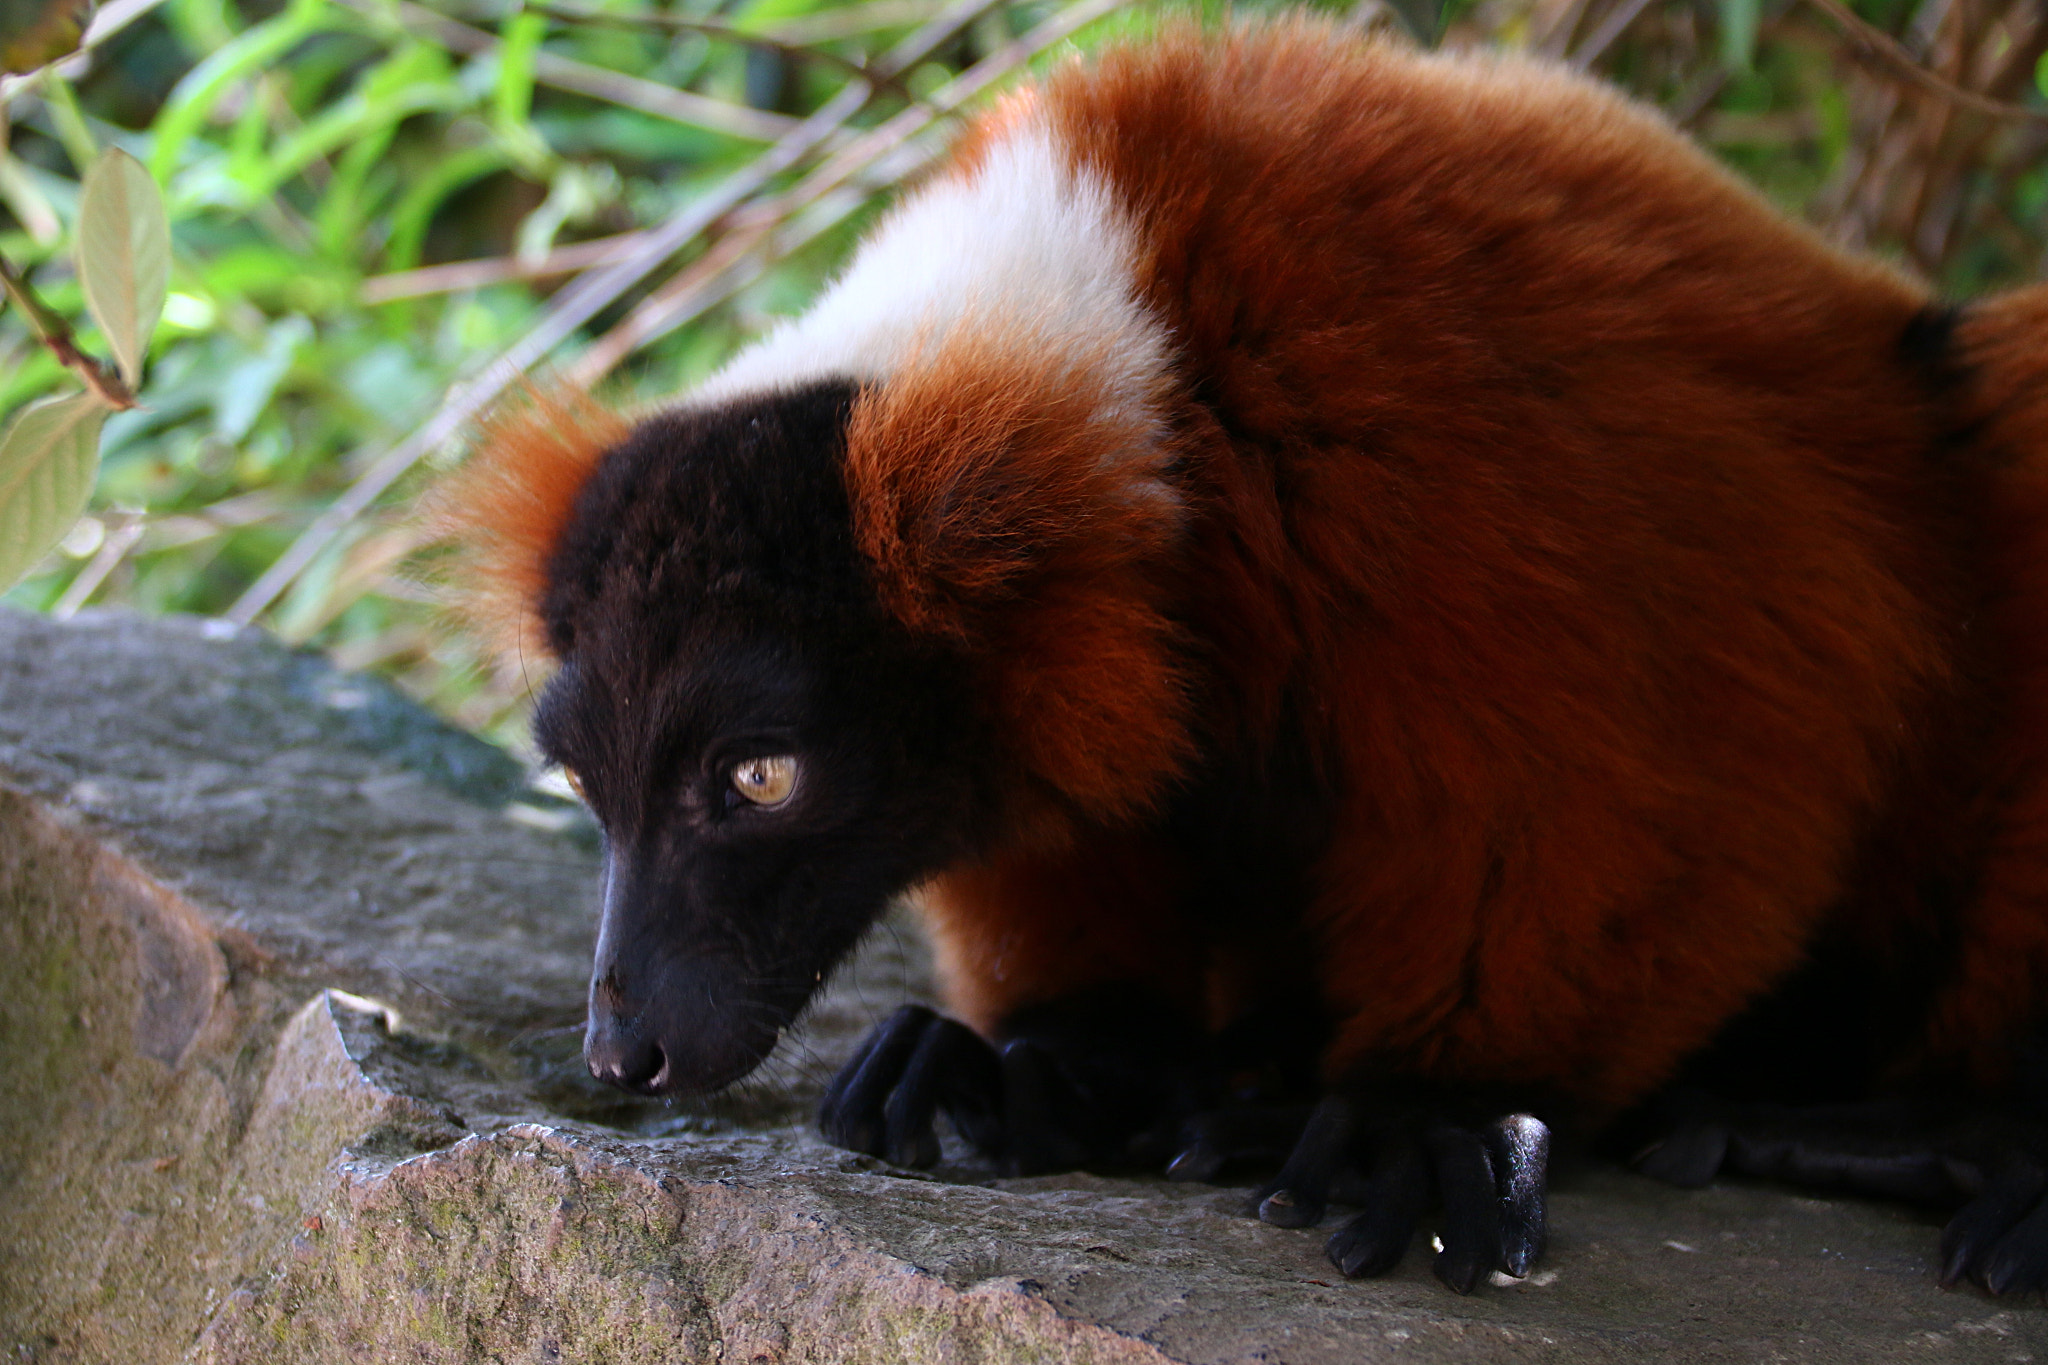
{"x": 1519, "y": 1146}
{"x": 1394, "y": 1200}
{"x": 851, "y": 1113}
{"x": 1471, "y": 1233}
{"x": 1297, "y": 1197}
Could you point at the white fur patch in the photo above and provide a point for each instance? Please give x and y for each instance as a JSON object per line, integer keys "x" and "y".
{"x": 1026, "y": 246}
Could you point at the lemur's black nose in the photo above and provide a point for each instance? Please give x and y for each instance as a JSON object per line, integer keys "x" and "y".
{"x": 617, "y": 1053}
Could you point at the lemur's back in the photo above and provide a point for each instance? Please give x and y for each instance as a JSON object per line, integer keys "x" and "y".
{"x": 1578, "y": 511}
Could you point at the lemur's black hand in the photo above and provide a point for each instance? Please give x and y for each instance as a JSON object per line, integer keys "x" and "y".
{"x": 1393, "y": 1161}
{"x": 1077, "y": 1085}
{"x": 915, "y": 1065}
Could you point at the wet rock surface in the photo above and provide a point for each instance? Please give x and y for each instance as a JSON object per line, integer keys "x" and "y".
{"x": 290, "y": 980}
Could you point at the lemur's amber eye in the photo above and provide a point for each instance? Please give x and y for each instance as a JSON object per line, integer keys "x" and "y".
{"x": 575, "y": 785}
{"x": 766, "y": 781}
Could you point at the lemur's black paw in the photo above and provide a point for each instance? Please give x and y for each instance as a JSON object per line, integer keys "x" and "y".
{"x": 915, "y": 1065}
{"x": 1493, "y": 1184}
{"x": 1489, "y": 1178}
{"x": 1034, "y": 1105}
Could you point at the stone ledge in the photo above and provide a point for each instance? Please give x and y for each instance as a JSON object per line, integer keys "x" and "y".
{"x": 289, "y": 1001}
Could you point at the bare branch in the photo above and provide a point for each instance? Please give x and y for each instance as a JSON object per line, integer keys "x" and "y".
{"x": 474, "y": 274}
{"x": 1611, "y": 28}
{"x": 1876, "y": 43}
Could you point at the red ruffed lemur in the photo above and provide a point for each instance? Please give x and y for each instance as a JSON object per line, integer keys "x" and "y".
{"x": 1380, "y": 603}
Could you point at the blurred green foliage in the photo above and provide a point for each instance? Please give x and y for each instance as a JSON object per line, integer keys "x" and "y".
{"x": 316, "y": 153}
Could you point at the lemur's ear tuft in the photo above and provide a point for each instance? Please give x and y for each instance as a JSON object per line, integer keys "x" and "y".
{"x": 505, "y": 508}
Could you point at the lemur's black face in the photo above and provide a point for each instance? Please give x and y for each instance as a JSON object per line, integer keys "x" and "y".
{"x": 771, "y": 756}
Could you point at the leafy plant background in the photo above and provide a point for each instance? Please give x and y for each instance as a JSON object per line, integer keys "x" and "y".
{"x": 373, "y": 201}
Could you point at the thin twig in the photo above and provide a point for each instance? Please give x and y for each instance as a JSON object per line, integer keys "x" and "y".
{"x": 55, "y": 333}
{"x": 175, "y": 530}
{"x": 724, "y": 270}
{"x": 649, "y": 318}
{"x": 366, "y": 565}
{"x": 1612, "y": 27}
{"x": 474, "y": 274}
{"x": 725, "y": 33}
{"x": 1881, "y": 45}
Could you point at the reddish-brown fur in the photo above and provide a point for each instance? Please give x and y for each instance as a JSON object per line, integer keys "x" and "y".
{"x": 2002, "y": 365}
{"x": 1589, "y": 503}
{"x": 1103, "y": 914}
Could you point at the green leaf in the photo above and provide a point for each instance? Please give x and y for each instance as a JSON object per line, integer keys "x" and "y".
{"x": 124, "y": 255}
{"x": 47, "y": 463}
{"x": 360, "y": 185}
{"x": 201, "y": 25}
{"x": 1738, "y": 34}
{"x": 512, "y": 101}
{"x": 513, "y": 98}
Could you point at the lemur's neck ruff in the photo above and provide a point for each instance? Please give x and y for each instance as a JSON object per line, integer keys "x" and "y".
{"x": 1019, "y": 255}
